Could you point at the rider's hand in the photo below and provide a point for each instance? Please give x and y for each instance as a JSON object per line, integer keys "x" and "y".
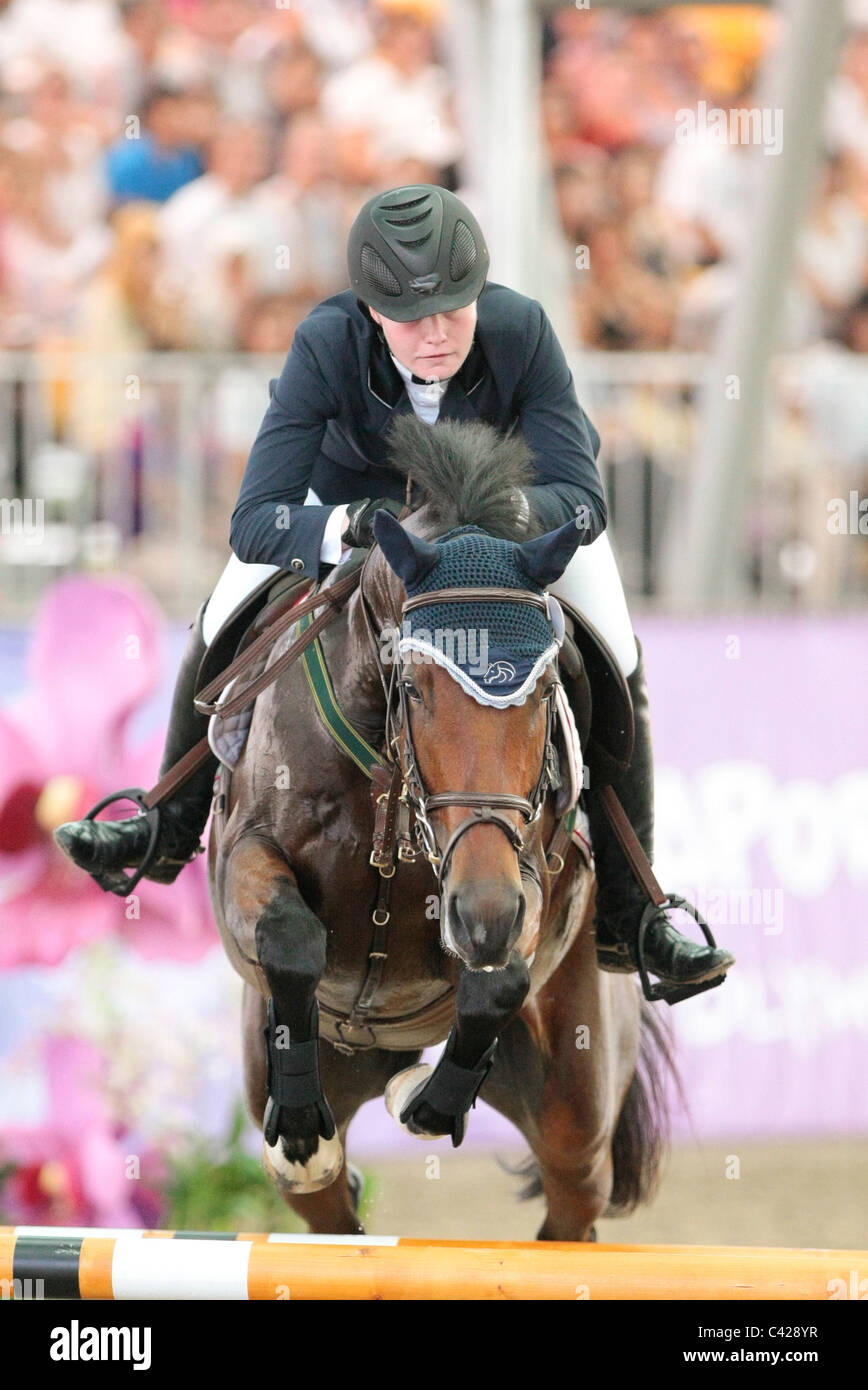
{"x": 360, "y": 519}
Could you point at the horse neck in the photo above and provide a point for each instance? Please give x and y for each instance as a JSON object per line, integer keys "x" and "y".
{"x": 353, "y": 664}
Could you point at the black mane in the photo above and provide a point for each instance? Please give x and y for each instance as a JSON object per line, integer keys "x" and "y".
{"x": 467, "y": 473}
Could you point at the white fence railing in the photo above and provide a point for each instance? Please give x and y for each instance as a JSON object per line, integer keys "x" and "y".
{"x": 135, "y": 462}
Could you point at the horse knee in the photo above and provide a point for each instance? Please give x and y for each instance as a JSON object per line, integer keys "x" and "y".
{"x": 291, "y": 941}
{"x": 491, "y": 997}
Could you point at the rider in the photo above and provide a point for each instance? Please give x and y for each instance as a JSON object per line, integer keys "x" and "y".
{"x": 421, "y": 329}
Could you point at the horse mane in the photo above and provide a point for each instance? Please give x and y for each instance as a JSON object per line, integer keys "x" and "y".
{"x": 468, "y": 473}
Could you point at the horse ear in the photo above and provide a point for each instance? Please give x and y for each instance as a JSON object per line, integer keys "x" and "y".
{"x": 545, "y": 558}
{"x": 410, "y": 557}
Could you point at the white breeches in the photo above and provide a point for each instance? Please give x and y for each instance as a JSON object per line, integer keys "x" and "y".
{"x": 235, "y": 583}
{"x": 590, "y": 582}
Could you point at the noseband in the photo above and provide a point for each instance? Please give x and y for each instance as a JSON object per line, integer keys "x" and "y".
{"x": 487, "y": 808}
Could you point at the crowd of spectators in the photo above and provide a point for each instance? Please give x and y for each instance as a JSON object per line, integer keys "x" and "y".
{"x": 181, "y": 173}
{"x": 664, "y": 219}
{"x": 657, "y": 207}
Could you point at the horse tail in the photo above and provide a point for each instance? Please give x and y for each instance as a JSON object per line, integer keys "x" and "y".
{"x": 642, "y": 1132}
{"x": 527, "y": 1169}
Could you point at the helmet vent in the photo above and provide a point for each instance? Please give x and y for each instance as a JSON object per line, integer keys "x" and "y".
{"x": 412, "y": 203}
{"x": 408, "y": 221}
{"x": 463, "y": 254}
{"x": 420, "y": 241}
{"x": 377, "y": 273}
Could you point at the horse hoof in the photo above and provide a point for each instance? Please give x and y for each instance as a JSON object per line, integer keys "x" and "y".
{"x": 319, "y": 1171}
{"x": 399, "y": 1090}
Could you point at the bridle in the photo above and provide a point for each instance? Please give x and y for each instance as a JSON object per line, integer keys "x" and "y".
{"x": 486, "y": 808}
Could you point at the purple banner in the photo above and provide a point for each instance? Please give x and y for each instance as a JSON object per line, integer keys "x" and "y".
{"x": 762, "y": 803}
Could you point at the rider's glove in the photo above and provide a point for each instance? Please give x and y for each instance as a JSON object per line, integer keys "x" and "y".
{"x": 360, "y": 519}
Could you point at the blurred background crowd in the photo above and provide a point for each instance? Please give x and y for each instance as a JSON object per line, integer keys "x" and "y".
{"x": 178, "y": 176}
{"x": 661, "y": 225}
{"x": 182, "y": 173}
{"x": 665, "y": 221}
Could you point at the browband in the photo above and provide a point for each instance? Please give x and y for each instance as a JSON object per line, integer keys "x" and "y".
{"x": 484, "y": 594}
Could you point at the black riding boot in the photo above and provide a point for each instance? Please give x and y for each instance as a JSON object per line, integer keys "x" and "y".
{"x": 674, "y": 958}
{"x": 104, "y": 848}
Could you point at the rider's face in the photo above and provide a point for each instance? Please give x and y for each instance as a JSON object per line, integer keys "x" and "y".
{"x": 433, "y": 347}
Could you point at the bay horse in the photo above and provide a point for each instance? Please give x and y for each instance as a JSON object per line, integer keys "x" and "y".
{"x": 496, "y": 955}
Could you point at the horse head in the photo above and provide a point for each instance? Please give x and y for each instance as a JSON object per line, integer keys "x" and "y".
{"x": 476, "y": 673}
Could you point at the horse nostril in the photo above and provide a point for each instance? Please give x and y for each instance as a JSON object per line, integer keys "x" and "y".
{"x": 486, "y": 923}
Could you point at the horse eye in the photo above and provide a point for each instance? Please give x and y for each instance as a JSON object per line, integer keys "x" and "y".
{"x": 410, "y": 688}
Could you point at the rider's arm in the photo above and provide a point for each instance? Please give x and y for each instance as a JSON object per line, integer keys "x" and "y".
{"x": 270, "y": 524}
{"x": 562, "y": 438}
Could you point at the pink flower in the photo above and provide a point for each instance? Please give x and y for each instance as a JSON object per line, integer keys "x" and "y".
{"x": 93, "y": 663}
{"x": 76, "y": 1169}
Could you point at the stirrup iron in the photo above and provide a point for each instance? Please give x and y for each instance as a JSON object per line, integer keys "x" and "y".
{"x": 672, "y": 993}
{"x": 117, "y": 881}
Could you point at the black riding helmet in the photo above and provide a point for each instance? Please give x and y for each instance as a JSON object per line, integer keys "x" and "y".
{"x": 416, "y": 251}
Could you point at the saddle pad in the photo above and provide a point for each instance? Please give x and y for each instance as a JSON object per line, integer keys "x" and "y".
{"x": 227, "y": 737}
{"x": 581, "y": 836}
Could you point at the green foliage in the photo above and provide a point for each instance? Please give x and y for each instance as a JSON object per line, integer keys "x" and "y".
{"x": 6, "y": 1172}
{"x": 213, "y": 1189}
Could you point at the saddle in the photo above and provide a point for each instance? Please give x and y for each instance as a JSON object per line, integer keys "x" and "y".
{"x": 268, "y": 602}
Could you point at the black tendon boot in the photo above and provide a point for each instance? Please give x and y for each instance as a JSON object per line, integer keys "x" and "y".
{"x": 105, "y": 848}
{"x": 674, "y": 958}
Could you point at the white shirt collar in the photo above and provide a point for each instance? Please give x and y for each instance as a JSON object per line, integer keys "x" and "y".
{"x": 432, "y": 389}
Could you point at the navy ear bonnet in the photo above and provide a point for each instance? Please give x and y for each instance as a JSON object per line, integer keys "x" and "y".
{"x": 496, "y": 651}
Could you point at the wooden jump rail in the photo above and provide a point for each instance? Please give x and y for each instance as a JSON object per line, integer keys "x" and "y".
{"x": 78, "y": 1263}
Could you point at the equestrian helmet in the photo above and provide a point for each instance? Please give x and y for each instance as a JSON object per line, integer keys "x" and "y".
{"x": 415, "y": 251}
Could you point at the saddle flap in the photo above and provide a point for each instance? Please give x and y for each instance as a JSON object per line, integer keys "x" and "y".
{"x": 247, "y": 620}
{"x": 608, "y": 741}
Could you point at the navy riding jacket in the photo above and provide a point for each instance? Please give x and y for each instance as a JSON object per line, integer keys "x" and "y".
{"x": 327, "y": 424}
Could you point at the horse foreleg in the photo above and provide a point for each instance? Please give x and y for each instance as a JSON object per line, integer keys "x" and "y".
{"x": 349, "y": 1082}
{"x": 273, "y": 927}
{"x": 434, "y": 1102}
{"x": 561, "y": 1074}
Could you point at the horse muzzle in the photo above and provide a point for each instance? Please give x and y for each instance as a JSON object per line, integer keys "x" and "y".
{"x": 483, "y": 921}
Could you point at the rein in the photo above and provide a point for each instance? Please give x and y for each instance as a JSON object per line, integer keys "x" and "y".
{"x": 332, "y": 599}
